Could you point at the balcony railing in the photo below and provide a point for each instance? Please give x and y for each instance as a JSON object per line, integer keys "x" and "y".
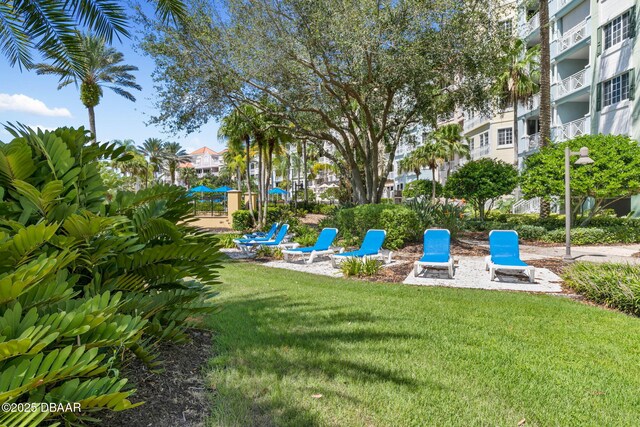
{"x": 531, "y": 105}
{"x": 573, "y": 129}
{"x": 530, "y": 142}
{"x": 573, "y": 83}
{"x": 533, "y": 23}
{"x": 573, "y": 36}
{"x": 481, "y": 152}
{"x": 474, "y": 121}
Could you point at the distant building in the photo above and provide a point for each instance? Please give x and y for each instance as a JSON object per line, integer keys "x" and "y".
{"x": 206, "y": 161}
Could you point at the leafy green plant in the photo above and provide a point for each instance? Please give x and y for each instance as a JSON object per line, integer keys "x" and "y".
{"x": 225, "y": 240}
{"x": 241, "y": 220}
{"x": 360, "y": 268}
{"x": 82, "y": 278}
{"x": 616, "y": 285}
{"x": 306, "y": 236}
{"x": 264, "y": 252}
{"x": 530, "y": 232}
{"x": 421, "y": 187}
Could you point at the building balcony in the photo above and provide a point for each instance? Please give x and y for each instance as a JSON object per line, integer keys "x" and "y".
{"x": 474, "y": 121}
{"x": 532, "y": 24}
{"x": 527, "y": 107}
{"x": 573, "y": 37}
{"x": 529, "y": 143}
{"x": 480, "y": 152}
{"x": 574, "y": 129}
{"x": 573, "y": 83}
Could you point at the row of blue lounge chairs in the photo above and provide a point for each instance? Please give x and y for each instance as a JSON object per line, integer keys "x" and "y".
{"x": 503, "y": 248}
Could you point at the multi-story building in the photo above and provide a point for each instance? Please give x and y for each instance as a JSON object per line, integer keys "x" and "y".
{"x": 206, "y": 161}
{"x": 594, "y": 53}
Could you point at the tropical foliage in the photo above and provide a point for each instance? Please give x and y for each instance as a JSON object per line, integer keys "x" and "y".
{"x": 614, "y": 175}
{"x": 84, "y": 283}
{"x": 480, "y": 181}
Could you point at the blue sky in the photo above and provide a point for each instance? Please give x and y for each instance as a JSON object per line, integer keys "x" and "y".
{"x": 34, "y": 100}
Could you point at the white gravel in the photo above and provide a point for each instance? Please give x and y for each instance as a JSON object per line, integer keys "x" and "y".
{"x": 470, "y": 273}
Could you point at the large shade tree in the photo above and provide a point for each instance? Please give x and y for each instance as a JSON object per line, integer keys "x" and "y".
{"x": 355, "y": 75}
{"x": 96, "y": 66}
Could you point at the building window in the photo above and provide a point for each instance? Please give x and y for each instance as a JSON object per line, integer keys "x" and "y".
{"x": 617, "y": 30}
{"x": 615, "y": 89}
{"x": 505, "y": 136}
{"x": 506, "y": 27}
{"x": 484, "y": 139}
{"x": 472, "y": 143}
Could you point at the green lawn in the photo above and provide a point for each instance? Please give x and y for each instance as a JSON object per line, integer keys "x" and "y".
{"x": 384, "y": 355}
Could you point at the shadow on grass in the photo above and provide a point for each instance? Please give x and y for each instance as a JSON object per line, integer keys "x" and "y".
{"x": 268, "y": 337}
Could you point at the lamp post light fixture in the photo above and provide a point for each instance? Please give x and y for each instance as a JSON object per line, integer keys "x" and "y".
{"x": 584, "y": 159}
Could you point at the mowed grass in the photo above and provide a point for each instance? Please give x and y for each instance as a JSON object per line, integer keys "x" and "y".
{"x": 395, "y": 355}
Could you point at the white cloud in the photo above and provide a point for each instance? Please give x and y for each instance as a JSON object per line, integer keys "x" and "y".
{"x": 25, "y": 104}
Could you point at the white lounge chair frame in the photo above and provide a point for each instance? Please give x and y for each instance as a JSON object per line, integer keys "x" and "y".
{"x": 420, "y": 266}
{"x": 312, "y": 255}
{"x": 529, "y": 270}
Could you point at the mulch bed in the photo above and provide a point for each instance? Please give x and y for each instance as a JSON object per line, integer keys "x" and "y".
{"x": 175, "y": 397}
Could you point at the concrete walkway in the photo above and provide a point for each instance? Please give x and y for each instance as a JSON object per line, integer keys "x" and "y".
{"x": 618, "y": 253}
{"x": 470, "y": 273}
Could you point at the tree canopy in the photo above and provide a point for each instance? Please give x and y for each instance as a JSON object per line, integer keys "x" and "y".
{"x": 355, "y": 75}
{"x": 614, "y": 175}
{"x": 481, "y": 180}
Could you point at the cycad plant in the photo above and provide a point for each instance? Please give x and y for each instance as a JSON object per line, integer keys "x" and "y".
{"x": 82, "y": 280}
{"x": 97, "y": 66}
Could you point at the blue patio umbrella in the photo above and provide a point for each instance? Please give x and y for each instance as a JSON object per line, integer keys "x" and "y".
{"x": 201, "y": 189}
{"x": 279, "y": 191}
{"x": 222, "y": 189}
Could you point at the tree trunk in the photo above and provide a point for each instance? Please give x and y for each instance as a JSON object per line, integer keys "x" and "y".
{"x": 248, "y": 142}
{"x": 92, "y": 123}
{"x": 515, "y": 132}
{"x": 260, "y": 185}
{"x": 433, "y": 184}
{"x": 239, "y": 178}
{"x": 545, "y": 89}
{"x": 304, "y": 163}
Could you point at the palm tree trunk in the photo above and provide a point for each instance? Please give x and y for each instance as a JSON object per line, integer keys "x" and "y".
{"x": 248, "y": 142}
{"x": 260, "y": 186}
{"x": 238, "y": 178}
{"x": 545, "y": 89}
{"x": 304, "y": 162}
{"x": 433, "y": 184}
{"x": 515, "y": 132}
{"x": 92, "y": 122}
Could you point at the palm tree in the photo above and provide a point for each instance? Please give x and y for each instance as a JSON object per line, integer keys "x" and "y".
{"x": 174, "y": 155}
{"x": 153, "y": 150}
{"x": 238, "y": 128}
{"x": 545, "y": 90}
{"x": 411, "y": 163}
{"x": 450, "y": 137}
{"x": 46, "y": 26}
{"x": 234, "y": 161}
{"x": 432, "y": 154}
{"x": 97, "y": 66}
{"x": 188, "y": 176}
{"x": 519, "y": 80}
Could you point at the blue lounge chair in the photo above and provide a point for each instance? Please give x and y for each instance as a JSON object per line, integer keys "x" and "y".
{"x": 261, "y": 235}
{"x": 505, "y": 254}
{"x": 436, "y": 252}
{"x": 277, "y": 242}
{"x": 269, "y": 236}
{"x": 371, "y": 248}
{"x": 323, "y": 246}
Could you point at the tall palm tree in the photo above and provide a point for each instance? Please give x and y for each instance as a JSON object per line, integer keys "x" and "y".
{"x": 411, "y": 163}
{"x": 238, "y": 128}
{"x": 450, "y": 137}
{"x": 45, "y": 25}
{"x": 432, "y": 154}
{"x": 174, "y": 155}
{"x": 188, "y": 176}
{"x": 153, "y": 150}
{"x": 96, "y": 67}
{"x": 234, "y": 161}
{"x": 545, "y": 89}
{"x": 519, "y": 80}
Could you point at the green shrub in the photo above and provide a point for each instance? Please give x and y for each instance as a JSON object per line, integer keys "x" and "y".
{"x": 360, "y": 268}
{"x": 616, "y": 285}
{"x": 306, "y": 236}
{"x": 225, "y": 240}
{"x": 89, "y": 284}
{"x": 581, "y": 236}
{"x": 530, "y": 232}
{"x": 401, "y": 223}
{"x": 421, "y": 187}
{"x": 241, "y": 220}
{"x": 402, "y": 226}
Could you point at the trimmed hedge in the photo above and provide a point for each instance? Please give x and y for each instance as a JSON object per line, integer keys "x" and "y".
{"x": 401, "y": 223}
